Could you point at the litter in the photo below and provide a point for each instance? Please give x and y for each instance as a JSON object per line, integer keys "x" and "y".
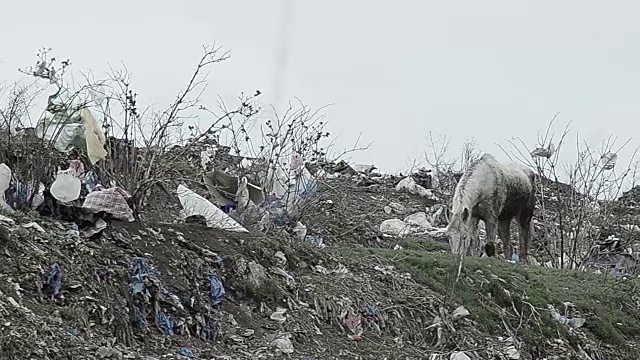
{"x": 35, "y": 226}
{"x": 112, "y": 201}
{"x": 573, "y": 323}
{"x": 609, "y": 160}
{"x": 279, "y": 315}
{"x": 409, "y": 184}
{"x": 544, "y": 152}
{"x": 187, "y": 352}
{"x": 459, "y": 355}
{"x": 194, "y": 204}
{"x": 53, "y": 280}
{"x": 66, "y": 186}
{"x": 217, "y": 290}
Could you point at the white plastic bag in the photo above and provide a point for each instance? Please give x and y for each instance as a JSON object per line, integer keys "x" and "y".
{"x": 194, "y": 204}
{"x": 66, "y": 187}
{"x": 609, "y": 160}
{"x": 305, "y": 185}
{"x": 5, "y": 178}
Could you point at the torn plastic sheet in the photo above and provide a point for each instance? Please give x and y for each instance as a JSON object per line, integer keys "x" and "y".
{"x": 224, "y": 188}
{"x": 544, "y": 152}
{"x": 141, "y": 270}
{"x": 194, "y": 204}
{"x": 53, "y": 279}
{"x": 166, "y": 323}
{"x": 217, "y": 290}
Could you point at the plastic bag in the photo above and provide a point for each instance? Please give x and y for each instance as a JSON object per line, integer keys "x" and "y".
{"x": 194, "y": 204}
{"x": 66, "y": 187}
{"x": 609, "y": 160}
{"x": 5, "y": 178}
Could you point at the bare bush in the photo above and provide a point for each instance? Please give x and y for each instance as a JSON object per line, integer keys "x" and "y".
{"x": 150, "y": 149}
{"x": 447, "y": 170}
{"x": 574, "y": 214}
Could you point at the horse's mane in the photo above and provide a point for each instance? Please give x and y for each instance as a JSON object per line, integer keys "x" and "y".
{"x": 462, "y": 197}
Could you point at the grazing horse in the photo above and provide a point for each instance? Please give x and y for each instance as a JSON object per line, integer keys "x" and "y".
{"x": 494, "y": 193}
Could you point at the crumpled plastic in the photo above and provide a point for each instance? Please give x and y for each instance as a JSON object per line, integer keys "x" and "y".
{"x": 609, "y": 160}
{"x": 137, "y": 287}
{"x": 166, "y": 323}
{"x": 217, "y": 290}
{"x": 544, "y": 152}
{"x": 53, "y": 279}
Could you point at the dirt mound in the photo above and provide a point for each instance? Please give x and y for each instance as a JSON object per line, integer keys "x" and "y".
{"x": 347, "y": 213}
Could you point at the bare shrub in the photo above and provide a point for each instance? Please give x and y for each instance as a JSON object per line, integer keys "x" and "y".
{"x": 445, "y": 169}
{"x": 150, "y": 149}
{"x": 574, "y": 214}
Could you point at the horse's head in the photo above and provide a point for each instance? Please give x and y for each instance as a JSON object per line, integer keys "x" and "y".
{"x": 458, "y": 232}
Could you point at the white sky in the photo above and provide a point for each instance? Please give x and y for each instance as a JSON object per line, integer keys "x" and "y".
{"x": 393, "y": 70}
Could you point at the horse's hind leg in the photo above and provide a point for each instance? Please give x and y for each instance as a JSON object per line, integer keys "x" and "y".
{"x": 524, "y": 221}
{"x": 504, "y": 230}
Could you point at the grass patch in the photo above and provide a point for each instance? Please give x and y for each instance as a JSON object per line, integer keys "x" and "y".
{"x": 493, "y": 291}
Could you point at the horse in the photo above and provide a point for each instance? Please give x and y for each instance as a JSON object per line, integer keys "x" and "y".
{"x": 495, "y": 193}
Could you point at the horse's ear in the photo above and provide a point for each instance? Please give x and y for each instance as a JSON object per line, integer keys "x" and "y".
{"x": 465, "y": 214}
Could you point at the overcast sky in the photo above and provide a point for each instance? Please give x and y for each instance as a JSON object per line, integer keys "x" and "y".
{"x": 394, "y": 70}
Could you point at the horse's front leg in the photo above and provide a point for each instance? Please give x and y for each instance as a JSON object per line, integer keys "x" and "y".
{"x": 490, "y": 225}
{"x": 474, "y": 241}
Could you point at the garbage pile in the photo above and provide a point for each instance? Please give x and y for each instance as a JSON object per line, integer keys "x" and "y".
{"x": 237, "y": 258}
{"x": 163, "y": 291}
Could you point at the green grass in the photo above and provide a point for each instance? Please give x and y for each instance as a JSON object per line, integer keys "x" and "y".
{"x": 488, "y": 287}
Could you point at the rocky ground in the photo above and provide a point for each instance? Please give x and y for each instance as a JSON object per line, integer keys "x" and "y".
{"x": 161, "y": 289}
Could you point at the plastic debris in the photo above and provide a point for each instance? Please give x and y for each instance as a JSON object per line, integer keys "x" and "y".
{"x": 53, "y": 279}
{"x": 459, "y": 313}
{"x": 409, "y": 184}
{"x": 166, "y": 323}
{"x": 194, "y": 204}
{"x": 66, "y": 187}
{"x": 572, "y": 323}
{"x": 459, "y": 355}
{"x": 544, "y": 152}
{"x": 187, "y": 352}
{"x": 315, "y": 240}
{"x": 609, "y": 160}
{"x": 217, "y": 290}
{"x": 137, "y": 287}
{"x": 282, "y": 342}
{"x": 279, "y": 315}
{"x": 34, "y": 225}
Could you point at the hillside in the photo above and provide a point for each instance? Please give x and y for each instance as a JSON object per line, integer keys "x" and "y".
{"x": 360, "y": 297}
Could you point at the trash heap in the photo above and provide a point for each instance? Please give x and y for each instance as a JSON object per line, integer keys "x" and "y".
{"x": 234, "y": 259}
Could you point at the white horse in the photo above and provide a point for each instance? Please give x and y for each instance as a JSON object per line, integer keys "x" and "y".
{"x": 494, "y": 193}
